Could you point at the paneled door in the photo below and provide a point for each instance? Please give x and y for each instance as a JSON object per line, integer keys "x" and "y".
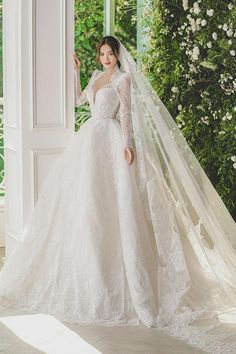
{"x": 38, "y": 46}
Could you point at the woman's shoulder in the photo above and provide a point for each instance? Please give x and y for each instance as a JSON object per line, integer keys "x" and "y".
{"x": 124, "y": 78}
{"x": 95, "y": 72}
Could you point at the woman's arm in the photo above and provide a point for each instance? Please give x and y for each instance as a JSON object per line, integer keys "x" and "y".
{"x": 124, "y": 92}
{"x": 80, "y": 96}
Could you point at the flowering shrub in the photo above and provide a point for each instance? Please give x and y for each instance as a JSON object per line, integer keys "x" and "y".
{"x": 190, "y": 60}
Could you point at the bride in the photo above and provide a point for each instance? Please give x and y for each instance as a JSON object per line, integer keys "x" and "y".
{"x": 128, "y": 228}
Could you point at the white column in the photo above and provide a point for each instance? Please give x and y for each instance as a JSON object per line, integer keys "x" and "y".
{"x": 109, "y": 18}
{"x": 38, "y": 64}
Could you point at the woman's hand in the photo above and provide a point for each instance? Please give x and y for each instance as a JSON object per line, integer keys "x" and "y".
{"x": 129, "y": 154}
{"x": 76, "y": 62}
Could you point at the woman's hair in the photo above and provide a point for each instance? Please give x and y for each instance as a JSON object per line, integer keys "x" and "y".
{"x": 113, "y": 43}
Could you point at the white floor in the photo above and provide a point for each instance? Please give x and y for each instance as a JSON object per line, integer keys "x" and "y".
{"x": 24, "y": 333}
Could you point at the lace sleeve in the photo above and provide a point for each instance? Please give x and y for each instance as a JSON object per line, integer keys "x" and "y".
{"x": 81, "y": 96}
{"x": 124, "y": 92}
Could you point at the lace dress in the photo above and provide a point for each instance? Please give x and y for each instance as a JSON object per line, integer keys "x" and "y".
{"x": 86, "y": 254}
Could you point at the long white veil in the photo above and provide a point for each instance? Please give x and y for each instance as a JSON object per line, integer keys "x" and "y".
{"x": 194, "y": 232}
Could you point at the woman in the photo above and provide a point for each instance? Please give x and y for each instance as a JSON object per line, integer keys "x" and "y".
{"x": 123, "y": 235}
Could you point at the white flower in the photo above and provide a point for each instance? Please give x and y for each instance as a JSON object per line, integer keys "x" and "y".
{"x": 180, "y": 107}
{"x": 232, "y": 52}
{"x": 203, "y": 23}
{"x": 220, "y": 26}
{"x": 229, "y": 32}
{"x": 210, "y": 12}
{"x": 194, "y": 27}
{"x": 230, "y": 41}
{"x": 196, "y": 10}
{"x": 209, "y": 44}
{"x": 230, "y": 6}
{"x": 214, "y": 36}
{"x": 233, "y": 158}
{"x": 196, "y": 53}
{"x": 235, "y": 109}
{"x": 198, "y": 21}
{"x": 174, "y": 89}
{"x": 225, "y": 27}
{"x": 234, "y": 165}
{"x": 185, "y": 4}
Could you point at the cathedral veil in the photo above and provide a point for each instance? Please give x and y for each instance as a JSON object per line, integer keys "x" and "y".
{"x": 181, "y": 203}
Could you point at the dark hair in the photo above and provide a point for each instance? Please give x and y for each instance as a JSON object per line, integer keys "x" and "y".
{"x": 113, "y": 43}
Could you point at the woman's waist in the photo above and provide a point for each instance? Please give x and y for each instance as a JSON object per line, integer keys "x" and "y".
{"x": 101, "y": 116}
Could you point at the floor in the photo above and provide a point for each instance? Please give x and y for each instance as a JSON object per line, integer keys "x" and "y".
{"x": 25, "y": 333}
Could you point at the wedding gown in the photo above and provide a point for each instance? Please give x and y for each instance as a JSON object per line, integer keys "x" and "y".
{"x": 88, "y": 253}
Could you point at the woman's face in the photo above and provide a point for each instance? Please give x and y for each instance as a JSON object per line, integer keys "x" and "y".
{"x": 107, "y": 57}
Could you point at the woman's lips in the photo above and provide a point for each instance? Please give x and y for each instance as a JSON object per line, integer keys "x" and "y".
{"x": 107, "y": 63}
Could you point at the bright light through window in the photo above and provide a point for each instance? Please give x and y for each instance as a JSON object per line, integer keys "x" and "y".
{"x": 47, "y": 334}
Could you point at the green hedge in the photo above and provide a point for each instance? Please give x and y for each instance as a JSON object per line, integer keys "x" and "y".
{"x": 88, "y": 20}
{"x": 190, "y": 62}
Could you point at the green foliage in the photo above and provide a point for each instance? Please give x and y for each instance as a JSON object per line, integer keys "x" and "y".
{"x": 126, "y": 23}
{"x": 191, "y": 65}
{"x": 88, "y": 32}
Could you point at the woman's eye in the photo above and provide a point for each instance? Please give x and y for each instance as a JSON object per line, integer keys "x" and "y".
{"x": 101, "y": 54}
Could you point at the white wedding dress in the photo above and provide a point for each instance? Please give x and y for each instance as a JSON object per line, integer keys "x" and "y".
{"x": 88, "y": 253}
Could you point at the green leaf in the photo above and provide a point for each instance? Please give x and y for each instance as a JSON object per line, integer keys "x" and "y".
{"x": 90, "y": 22}
{"x": 223, "y": 43}
{"x": 208, "y": 65}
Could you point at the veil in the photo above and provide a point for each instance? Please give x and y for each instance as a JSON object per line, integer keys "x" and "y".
{"x": 191, "y": 225}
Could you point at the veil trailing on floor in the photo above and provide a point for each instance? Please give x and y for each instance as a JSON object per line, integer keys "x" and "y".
{"x": 186, "y": 214}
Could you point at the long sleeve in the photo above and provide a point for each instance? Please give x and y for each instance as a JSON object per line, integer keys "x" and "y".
{"x": 124, "y": 92}
{"x": 81, "y": 96}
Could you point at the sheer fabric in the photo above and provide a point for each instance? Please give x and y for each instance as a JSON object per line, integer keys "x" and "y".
{"x": 122, "y": 85}
{"x": 113, "y": 244}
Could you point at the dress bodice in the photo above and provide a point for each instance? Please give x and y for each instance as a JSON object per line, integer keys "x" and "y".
{"x": 105, "y": 104}
{"x": 112, "y": 101}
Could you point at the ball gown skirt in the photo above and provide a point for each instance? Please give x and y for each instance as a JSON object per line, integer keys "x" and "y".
{"x": 86, "y": 254}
